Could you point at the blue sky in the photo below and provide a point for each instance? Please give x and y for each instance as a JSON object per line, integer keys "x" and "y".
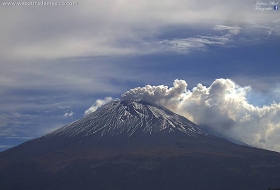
{"x": 56, "y": 61}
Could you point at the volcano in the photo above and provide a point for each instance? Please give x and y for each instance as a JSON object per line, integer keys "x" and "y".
{"x": 136, "y": 145}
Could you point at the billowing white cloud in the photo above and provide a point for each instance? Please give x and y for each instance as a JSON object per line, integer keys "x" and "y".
{"x": 98, "y": 103}
{"x": 70, "y": 114}
{"x": 223, "y": 106}
{"x": 158, "y": 94}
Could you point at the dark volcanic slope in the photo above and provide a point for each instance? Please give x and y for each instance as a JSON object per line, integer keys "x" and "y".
{"x": 136, "y": 145}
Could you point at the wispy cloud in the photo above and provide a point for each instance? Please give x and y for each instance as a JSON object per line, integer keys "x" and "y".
{"x": 5, "y": 146}
{"x": 85, "y": 30}
{"x": 233, "y": 30}
{"x": 264, "y": 29}
{"x": 197, "y": 43}
{"x": 24, "y": 138}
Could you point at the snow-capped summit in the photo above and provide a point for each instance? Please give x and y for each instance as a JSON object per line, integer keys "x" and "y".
{"x": 129, "y": 118}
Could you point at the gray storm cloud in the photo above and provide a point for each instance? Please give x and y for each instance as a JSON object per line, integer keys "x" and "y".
{"x": 222, "y": 106}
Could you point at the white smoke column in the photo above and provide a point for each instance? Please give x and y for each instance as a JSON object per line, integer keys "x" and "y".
{"x": 168, "y": 97}
{"x": 98, "y": 103}
{"x": 223, "y": 106}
